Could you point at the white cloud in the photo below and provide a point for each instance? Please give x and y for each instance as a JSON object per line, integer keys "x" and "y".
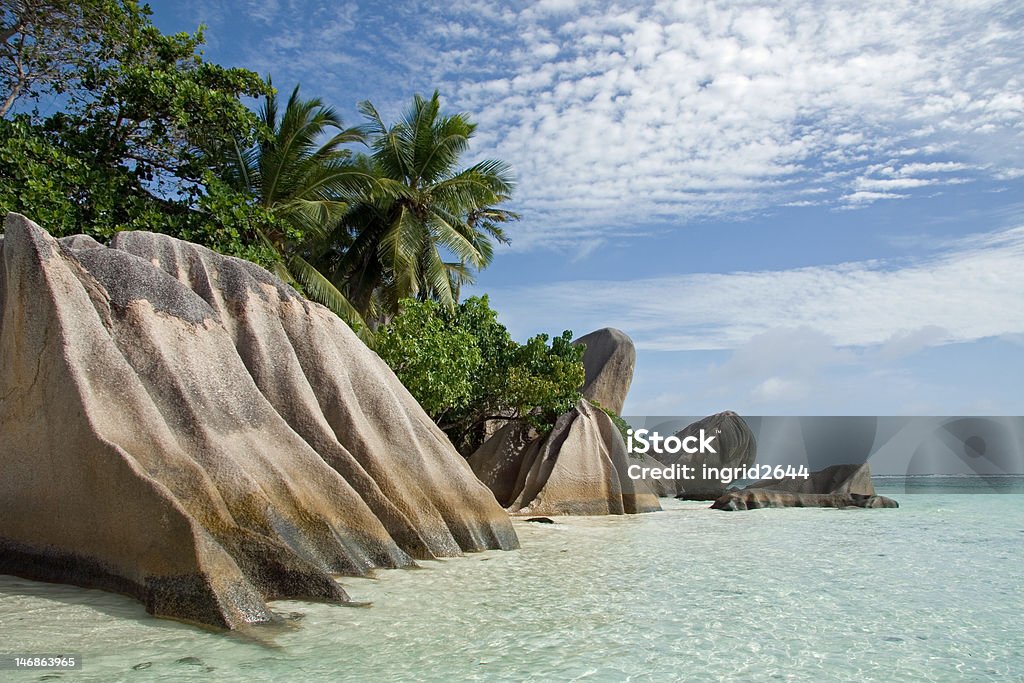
{"x": 1010, "y": 174}
{"x": 861, "y": 197}
{"x": 905, "y": 343}
{"x": 664, "y": 112}
{"x": 913, "y": 169}
{"x": 779, "y": 389}
{"x": 667, "y": 112}
{"x": 970, "y": 290}
{"x": 887, "y": 184}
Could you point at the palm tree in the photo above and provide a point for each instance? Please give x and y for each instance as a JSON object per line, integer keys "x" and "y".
{"x": 426, "y": 226}
{"x": 303, "y": 182}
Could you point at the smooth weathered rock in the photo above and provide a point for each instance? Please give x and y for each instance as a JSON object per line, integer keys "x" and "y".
{"x": 734, "y": 445}
{"x": 661, "y": 486}
{"x": 181, "y": 426}
{"x": 753, "y": 499}
{"x": 836, "y": 486}
{"x": 75, "y": 242}
{"x": 854, "y": 479}
{"x": 609, "y": 361}
{"x": 579, "y": 468}
{"x": 498, "y": 461}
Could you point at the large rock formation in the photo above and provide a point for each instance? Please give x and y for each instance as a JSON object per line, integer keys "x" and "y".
{"x": 836, "y": 486}
{"x": 182, "y": 427}
{"x": 734, "y": 446}
{"x": 580, "y": 468}
{"x": 609, "y": 361}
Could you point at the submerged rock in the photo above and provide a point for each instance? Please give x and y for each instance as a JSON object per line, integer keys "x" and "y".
{"x": 183, "y": 427}
{"x": 837, "y": 486}
{"x": 854, "y": 479}
{"x": 580, "y": 468}
{"x": 609, "y": 361}
{"x": 753, "y": 499}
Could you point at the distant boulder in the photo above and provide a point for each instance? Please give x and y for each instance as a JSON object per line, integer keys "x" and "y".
{"x": 855, "y": 479}
{"x": 609, "y": 361}
{"x": 579, "y": 468}
{"x": 735, "y": 446}
{"x": 182, "y": 427}
{"x": 753, "y": 499}
{"x": 837, "y": 486}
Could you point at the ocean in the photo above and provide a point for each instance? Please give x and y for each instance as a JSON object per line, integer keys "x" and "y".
{"x": 931, "y": 591}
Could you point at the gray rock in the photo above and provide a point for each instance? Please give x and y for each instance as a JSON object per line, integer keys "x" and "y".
{"x": 79, "y": 242}
{"x": 608, "y": 361}
{"x": 182, "y": 427}
{"x": 580, "y": 468}
{"x": 844, "y": 479}
{"x": 836, "y": 486}
{"x": 734, "y": 444}
{"x": 662, "y": 487}
{"x": 753, "y": 499}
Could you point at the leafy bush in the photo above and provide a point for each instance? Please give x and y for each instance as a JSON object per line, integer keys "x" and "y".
{"x": 434, "y": 359}
{"x": 465, "y": 369}
{"x": 129, "y": 150}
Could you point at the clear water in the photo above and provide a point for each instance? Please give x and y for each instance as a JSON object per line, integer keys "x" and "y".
{"x": 929, "y": 592}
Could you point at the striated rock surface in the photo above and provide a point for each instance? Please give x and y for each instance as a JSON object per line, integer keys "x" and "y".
{"x": 580, "y": 468}
{"x": 734, "y": 445}
{"x": 753, "y": 499}
{"x": 609, "y": 361}
{"x": 182, "y": 427}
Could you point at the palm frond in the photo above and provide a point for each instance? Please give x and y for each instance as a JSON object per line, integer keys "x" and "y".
{"x": 323, "y": 291}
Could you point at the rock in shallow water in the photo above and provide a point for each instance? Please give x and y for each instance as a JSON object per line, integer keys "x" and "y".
{"x": 579, "y": 468}
{"x": 837, "y": 486}
{"x": 182, "y": 427}
{"x": 754, "y": 499}
{"x": 834, "y": 479}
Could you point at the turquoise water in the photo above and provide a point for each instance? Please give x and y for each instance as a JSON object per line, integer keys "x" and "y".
{"x": 928, "y": 592}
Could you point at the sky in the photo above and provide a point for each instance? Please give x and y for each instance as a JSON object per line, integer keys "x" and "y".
{"x": 794, "y": 208}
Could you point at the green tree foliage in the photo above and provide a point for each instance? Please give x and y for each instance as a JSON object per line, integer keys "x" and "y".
{"x": 150, "y": 136}
{"x": 46, "y": 44}
{"x": 435, "y": 358}
{"x": 300, "y": 175}
{"x": 128, "y": 149}
{"x": 465, "y": 368}
{"x": 155, "y": 107}
{"x": 427, "y": 224}
{"x": 68, "y": 195}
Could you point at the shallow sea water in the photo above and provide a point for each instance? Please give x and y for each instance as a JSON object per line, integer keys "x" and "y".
{"x": 929, "y": 592}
